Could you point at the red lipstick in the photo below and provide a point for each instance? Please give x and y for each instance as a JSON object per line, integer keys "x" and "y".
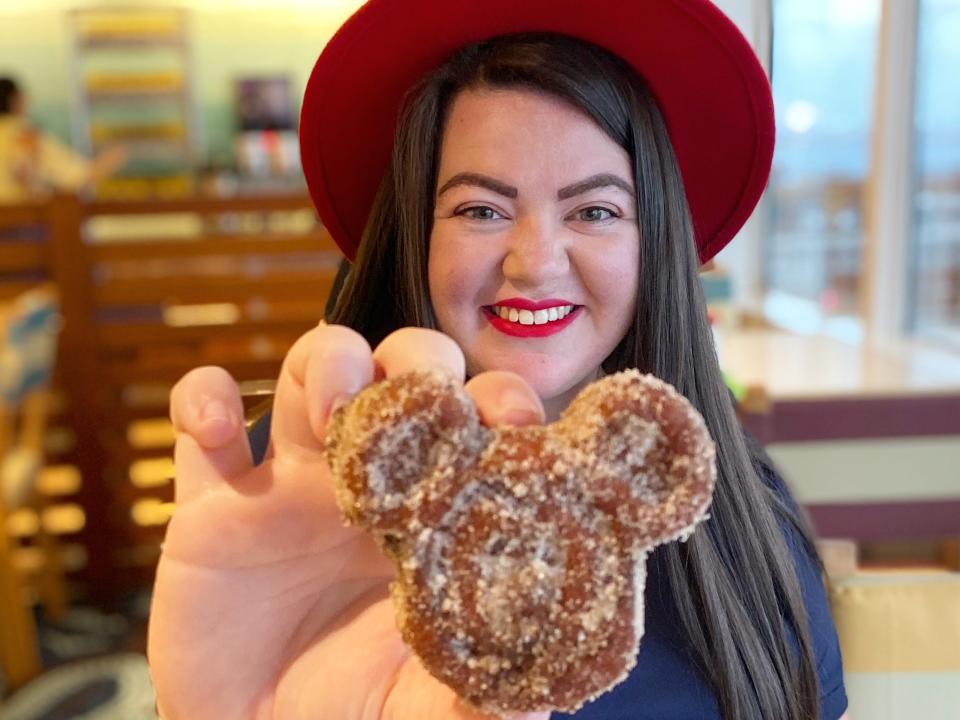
{"x": 530, "y": 331}
{"x": 524, "y": 304}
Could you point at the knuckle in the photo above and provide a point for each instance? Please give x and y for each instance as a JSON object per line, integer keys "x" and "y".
{"x": 418, "y": 346}
{"x": 327, "y": 339}
{"x": 341, "y": 337}
{"x": 203, "y": 377}
{"x": 201, "y": 381}
{"x": 497, "y": 378}
{"x": 415, "y": 336}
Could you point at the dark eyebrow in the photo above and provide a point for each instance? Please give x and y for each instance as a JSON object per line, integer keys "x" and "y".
{"x": 592, "y": 182}
{"x": 482, "y": 181}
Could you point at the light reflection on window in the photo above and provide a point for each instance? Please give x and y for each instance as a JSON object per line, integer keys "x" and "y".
{"x": 934, "y": 306}
{"x": 824, "y": 55}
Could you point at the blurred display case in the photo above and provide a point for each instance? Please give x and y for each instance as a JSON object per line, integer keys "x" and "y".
{"x": 132, "y": 87}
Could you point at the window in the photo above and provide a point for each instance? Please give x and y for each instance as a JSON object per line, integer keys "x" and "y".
{"x": 933, "y": 306}
{"x": 862, "y": 218}
{"x": 824, "y": 59}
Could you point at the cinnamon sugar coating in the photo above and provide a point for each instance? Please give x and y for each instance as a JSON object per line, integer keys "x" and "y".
{"x": 521, "y": 552}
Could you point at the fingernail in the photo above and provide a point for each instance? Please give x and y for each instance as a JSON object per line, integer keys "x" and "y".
{"x": 319, "y": 418}
{"x": 215, "y": 412}
{"x": 339, "y": 401}
{"x": 517, "y": 408}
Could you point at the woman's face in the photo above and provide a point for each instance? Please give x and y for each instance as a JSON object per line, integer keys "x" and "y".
{"x": 534, "y": 251}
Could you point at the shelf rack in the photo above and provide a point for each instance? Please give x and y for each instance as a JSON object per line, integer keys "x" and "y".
{"x": 132, "y": 85}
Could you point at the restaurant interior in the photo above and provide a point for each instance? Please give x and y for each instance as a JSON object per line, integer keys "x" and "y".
{"x": 836, "y": 313}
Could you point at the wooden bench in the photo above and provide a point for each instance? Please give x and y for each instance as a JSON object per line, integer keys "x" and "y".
{"x": 150, "y": 290}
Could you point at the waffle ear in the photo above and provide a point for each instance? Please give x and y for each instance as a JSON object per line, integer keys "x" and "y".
{"x": 653, "y": 461}
{"x": 383, "y": 445}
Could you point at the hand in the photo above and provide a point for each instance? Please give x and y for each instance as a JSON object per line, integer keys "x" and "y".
{"x": 266, "y": 605}
{"x": 107, "y": 163}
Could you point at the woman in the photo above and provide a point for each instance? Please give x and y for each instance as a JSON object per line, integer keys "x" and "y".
{"x": 33, "y": 163}
{"x": 537, "y": 225}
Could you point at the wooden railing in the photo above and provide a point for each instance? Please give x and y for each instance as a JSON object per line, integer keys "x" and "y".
{"x": 149, "y": 291}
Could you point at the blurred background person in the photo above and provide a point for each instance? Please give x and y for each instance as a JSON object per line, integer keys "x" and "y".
{"x": 33, "y": 163}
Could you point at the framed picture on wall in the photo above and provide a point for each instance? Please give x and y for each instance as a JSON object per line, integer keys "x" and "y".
{"x": 264, "y": 103}
{"x": 266, "y": 124}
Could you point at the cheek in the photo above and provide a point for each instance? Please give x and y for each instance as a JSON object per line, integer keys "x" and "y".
{"x": 449, "y": 278}
{"x": 613, "y": 279}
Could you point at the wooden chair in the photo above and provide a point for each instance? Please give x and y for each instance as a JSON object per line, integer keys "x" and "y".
{"x": 29, "y": 326}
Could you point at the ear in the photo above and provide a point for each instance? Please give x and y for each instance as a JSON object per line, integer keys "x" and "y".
{"x": 653, "y": 461}
{"x": 390, "y": 439}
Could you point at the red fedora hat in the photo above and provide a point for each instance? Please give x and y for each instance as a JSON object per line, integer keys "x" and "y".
{"x": 707, "y": 81}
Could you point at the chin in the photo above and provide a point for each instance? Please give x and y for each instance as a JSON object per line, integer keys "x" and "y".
{"x": 546, "y": 378}
{"x": 551, "y": 387}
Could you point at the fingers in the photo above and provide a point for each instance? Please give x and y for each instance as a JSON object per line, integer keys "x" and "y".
{"x": 211, "y": 447}
{"x": 505, "y": 398}
{"x": 332, "y": 363}
{"x": 419, "y": 349}
{"x": 324, "y": 368}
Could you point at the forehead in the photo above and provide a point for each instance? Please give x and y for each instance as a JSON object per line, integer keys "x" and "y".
{"x": 518, "y": 130}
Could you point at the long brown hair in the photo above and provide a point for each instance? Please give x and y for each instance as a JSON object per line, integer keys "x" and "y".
{"x": 734, "y": 581}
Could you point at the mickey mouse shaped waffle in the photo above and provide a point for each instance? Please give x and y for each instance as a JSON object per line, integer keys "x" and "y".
{"x": 521, "y": 552}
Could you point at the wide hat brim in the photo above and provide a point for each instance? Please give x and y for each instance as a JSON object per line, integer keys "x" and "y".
{"x": 708, "y": 83}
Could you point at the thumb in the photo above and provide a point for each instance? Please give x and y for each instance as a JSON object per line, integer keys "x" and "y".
{"x": 505, "y": 398}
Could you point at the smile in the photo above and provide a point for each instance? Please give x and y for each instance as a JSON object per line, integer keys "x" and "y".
{"x": 532, "y": 317}
{"x": 526, "y": 322}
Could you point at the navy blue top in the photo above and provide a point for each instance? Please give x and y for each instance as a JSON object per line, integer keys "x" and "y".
{"x": 666, "y": 682}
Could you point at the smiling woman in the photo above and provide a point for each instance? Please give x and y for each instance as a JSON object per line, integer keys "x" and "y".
{"x": 536, "y": 171}
{"x": 537, "y": 214}
{"x": 519, "y": 217}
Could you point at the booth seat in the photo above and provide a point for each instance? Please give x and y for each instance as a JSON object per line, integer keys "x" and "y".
{"x": 900, "y": 639}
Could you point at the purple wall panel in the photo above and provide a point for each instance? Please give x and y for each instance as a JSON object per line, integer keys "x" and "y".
{"x": 869, "y": 418}
{"x": 857, "y": 418}
{"x": 925, "y": 520}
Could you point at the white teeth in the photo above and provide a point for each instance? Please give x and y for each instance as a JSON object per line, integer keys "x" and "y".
{"x": 530, "y": 317}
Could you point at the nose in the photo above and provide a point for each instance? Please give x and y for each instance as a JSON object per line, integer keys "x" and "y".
{"x": 536, "y": 253}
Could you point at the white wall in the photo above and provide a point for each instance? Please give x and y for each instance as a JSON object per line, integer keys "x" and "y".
{"x": 228, "y": 38}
